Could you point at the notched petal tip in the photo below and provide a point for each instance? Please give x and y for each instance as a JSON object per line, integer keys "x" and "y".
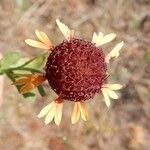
{"x": 79, "y": 108}
{"x": 112, "y": 94}
{"x": 37, "y": 44}
{"x": 43, "y": 38}
{"x": 108, "y": 91}
{"x": 96, "y": 39}
{"x": 107, "y": 38}
{"x": 83, "y": 110}
{"x": 75, "y": 114}
{"x": 114, "y": 86}
{"x": 58, "y": 115}
{"x": 68, "y": 34}
{"x": 51, "y": 114}
{"x": 115, "y": 51}
{"x": 106, "y": 98}
{"x": 45, "y": 110}
{"x": 52, "y": 111}
{"x": 99, "y": 39}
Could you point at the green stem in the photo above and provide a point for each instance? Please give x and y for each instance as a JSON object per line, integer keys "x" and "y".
{"x": 22, "y": 67}
{"x": 29, "y": 69}
{"x": 10, "y": 75}
{"x": 26, "y": 63}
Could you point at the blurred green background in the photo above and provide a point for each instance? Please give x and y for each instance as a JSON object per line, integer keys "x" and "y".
{"x": 126, "y": 124}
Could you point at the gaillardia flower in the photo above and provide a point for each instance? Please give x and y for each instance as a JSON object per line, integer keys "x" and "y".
{"x": 76, "y": 70}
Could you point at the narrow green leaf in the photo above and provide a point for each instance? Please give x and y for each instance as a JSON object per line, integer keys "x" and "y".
{"x": 29, "y": 94}
{"x": 41, "y": 90}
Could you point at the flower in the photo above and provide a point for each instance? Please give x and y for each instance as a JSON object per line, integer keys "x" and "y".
{"x": 76, "y": 70}
{"x": 29, "y": 81}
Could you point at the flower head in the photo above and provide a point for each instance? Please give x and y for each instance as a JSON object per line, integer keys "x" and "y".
{"x": 76, "y": 70}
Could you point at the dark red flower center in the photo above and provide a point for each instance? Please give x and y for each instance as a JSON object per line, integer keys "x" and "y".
{"x": 76, "y": 69}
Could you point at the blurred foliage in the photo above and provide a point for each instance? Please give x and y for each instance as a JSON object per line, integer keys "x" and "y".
{"x": 13, "y": 64}
{"x": 9, "y": 60}
{"x": 23, "y": 4}
{"x": 147, "y": 56}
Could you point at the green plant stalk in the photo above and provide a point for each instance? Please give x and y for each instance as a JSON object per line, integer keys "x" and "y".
{"x": 26, "y": 69}
{"x": 26, "y": 63}
{"x": 22, "y": 67}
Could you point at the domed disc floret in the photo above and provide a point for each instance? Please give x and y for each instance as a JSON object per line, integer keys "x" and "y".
{"x": 76, "y": 69}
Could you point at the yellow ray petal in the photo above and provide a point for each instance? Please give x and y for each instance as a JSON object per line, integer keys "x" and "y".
{"x": 46, "y": 109}
{"x": 27, "y": 88}
{"x": 72, "y": 32}
{"x": 84, "y": 112}
{"x": 106, "y": 39}
{"x": 111, "y": 94}
{"x": 58, "y": 115}
{"x": 100, "y": 39}
{"x": 50, "y": 115}
{"x": 113, "y": 86}
{"x": 97, "y": 38}
{"x": 37, "y": 44}
{"x": 115, "y": 51}
{"x": 43, "y": 38}
{"x": 106, "y": 97}
{"x": 75, "y": 114}
{"x": 64, "y": 29}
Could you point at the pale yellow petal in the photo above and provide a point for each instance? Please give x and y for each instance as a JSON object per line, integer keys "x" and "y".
{"x": 51, "y": 114}
{"x": 37, "y": 44}
{"x": 106, "y": 39}
{"x": 115, "y": 51}
{"x": 64, "y": 29}
{"x": 58, "y": 115}
{"x": 94, "y": 38}
{"x": 43, "y": 38}
{"x": 72, "y": 32}
{"x": 75, "y": 114}
{"x": 106, "y": 97}
{"x": 46, "y": 109}
{"x": 97, "y": 38}
{"x": 111, "y": 94}
{"x": 113, "y": 86}
{"x": 83, "y": 111}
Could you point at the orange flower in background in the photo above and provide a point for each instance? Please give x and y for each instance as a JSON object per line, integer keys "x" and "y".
{"x": 29, "y": 82}
{"x": 76, "y": 70}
